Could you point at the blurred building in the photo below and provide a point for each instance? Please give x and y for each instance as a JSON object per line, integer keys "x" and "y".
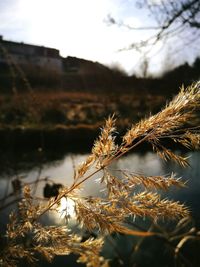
{"x": 27, "y": 55}
{"x": 43, "y": 67}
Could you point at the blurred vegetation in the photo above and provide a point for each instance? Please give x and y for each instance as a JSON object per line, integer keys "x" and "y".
{"x": 78, "y": 102}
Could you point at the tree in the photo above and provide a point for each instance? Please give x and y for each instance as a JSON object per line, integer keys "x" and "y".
{"x": 172, "y": 19}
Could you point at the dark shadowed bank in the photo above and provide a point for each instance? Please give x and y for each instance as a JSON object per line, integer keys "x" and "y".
{"x": 73, "y": 139}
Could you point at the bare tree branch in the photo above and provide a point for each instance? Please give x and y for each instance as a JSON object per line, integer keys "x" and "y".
{"x": 171, "y": 17}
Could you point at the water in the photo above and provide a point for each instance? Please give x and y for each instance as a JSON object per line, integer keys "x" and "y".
{"x": 62, "y": 170}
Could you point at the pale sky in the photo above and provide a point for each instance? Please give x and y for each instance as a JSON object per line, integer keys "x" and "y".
{"x": 78, "y": 28}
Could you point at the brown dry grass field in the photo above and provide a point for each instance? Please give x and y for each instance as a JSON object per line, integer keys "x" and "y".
{"x": 53, "y": 108}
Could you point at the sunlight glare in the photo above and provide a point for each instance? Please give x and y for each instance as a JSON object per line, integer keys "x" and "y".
{"x": 66, "y": 208}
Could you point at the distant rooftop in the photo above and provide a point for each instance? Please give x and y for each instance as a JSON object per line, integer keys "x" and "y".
{"x": 29, "y": 49}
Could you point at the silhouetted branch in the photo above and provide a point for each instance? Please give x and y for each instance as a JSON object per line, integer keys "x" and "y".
{"x": 172, "y": 18}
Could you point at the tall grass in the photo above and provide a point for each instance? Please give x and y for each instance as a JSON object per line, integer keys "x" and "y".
{"x": 127, "y": 194}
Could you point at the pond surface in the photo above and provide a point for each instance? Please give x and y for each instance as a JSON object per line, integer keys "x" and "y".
{"x": 61, "y": 171}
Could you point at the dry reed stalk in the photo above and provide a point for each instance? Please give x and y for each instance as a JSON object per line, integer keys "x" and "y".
{"x": 110, "y": 213}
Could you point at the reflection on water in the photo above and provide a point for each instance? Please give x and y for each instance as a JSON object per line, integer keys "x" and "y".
{"x": 62, "y": 171}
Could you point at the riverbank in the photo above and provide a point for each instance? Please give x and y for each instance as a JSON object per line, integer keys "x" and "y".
{"x": 73, "y": 108}
{"x": 57, "y": 118}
